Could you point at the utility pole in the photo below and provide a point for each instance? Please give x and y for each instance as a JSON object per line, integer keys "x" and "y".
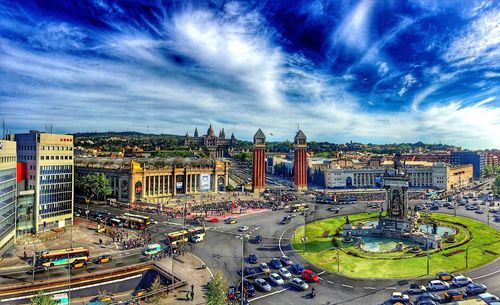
{"x": 242, "y": 264}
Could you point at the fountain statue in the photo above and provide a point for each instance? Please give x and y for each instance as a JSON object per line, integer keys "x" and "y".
{"x": 434, "y": 228}
{"x": 347, "y": 222}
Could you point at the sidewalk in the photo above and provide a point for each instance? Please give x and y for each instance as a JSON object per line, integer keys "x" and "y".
{"x": 188, "y": 268}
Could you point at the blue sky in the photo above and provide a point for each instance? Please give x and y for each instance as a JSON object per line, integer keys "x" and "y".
{"x": 368, "y": 71}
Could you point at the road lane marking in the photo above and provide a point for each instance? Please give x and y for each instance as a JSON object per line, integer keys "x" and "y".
{"x": 268, "y": 295}
{"x": 391, "y": 288}
{"x": 321, "y": 272}
{"x": 347, "y": 286}
{"x": 279, "y": 240}
{"x": 329, "y": 282}
{"x": 485, "y": 275}
{"x": 369, "y": 288}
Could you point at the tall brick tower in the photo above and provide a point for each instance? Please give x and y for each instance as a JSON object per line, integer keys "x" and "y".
{"x": 259, "y": 169}
{"x": 300, "y": 161}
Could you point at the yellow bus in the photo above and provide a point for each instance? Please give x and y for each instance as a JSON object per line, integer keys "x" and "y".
{"x": 299, "y": 207}
{"x": 174, "y": 238}
{"x": 147, "y": 219}
{"x": 62, "y": 257}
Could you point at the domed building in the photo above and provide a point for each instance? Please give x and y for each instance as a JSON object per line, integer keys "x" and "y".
{"x": 216, "y": 146}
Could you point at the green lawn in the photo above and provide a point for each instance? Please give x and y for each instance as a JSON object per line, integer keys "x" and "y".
{"x": 319, "y": 251}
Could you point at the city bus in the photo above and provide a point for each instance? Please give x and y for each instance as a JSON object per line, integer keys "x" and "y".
{"x": 347, "y": 200}
{"x": 62, "y": 257}
{"x": 61, "y": 298}
{"x": 196, "y": 231}
{"x": 173, "y": 238}
{"x": 147, "y": 219}
{"x": 299, "y": 207}
{"x": 132, "y": 222}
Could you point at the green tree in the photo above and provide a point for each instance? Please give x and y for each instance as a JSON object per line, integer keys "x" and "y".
{"x": 495, "y": 188}
{"x": 216, "y": 291}
{"x": 230, "y": 188}
{"x": 155, "y": 290}
{"x": 42, "y": 299}
{"x": 93, "y": 185}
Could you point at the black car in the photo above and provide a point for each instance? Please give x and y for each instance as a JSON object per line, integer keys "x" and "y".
{"x": 40, "y": 269}
{"x": 429, "y": 296}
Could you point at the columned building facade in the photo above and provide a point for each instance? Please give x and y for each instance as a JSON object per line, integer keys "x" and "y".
{"x": 300, "y": 161}
{"x": 157, "y": 181}
{"x": 259, "y": 168}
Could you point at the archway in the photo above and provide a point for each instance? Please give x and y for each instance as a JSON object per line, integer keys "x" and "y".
{"x": 221, "y": 185}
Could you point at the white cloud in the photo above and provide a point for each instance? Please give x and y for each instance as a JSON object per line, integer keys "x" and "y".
{"x": 407, "y": 82}
{"x": 479, "y": 43}
{"x": 382, "y": 68}
{"x": 354, "y": 30}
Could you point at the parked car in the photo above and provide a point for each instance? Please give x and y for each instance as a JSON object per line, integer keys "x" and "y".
{"x": 248, "y": 287}
{"x": 399, "y": 297}
{"x": 103, "y": 259}
{"x": 479, "y": 211}
{"x": 284, "y": 273}
{"x": 275, "y": 263}
{"x": 475, "y": 288}
{"x": 489, "y": 298}
{"x": 429, "y": 296}
{"x": 460, "y": 280}
{"x": 250, "y": 271}
{"x": 427, "y": 302}
{"x": 310, "y": 276}
{"x": 436, "y": 285}
{"x": 298, "y": 284}
{"x": 263, "y": 285}
{"x": 416, "y": 289}
{"x": 455, "y": 295}
{"x": 297, "y": 268}
{"x": 286, "y": 260}
{"x": 252, "y": 258}
{"x": 265, "y": 268}
{"x": 276, "y": 279}
{"x": 443, "y": 276}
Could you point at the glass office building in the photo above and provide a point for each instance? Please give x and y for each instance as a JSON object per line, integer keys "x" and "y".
{"x": 8, "y": 189}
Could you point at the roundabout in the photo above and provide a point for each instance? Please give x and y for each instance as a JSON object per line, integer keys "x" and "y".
{"x": 472, "y": 245}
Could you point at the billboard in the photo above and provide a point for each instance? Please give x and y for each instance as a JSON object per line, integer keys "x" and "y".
{"x": 205, "y": 182}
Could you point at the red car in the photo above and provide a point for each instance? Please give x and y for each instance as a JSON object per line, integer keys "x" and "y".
{"x": 214, "y": 219}
{"x": 310, "y": 276}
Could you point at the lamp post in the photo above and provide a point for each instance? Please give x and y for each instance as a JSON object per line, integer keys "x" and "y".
{"x": 242, "y": 263}
{"x": 467, "y": 257}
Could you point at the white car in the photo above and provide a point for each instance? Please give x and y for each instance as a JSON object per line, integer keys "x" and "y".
{"x": 196, "y": 239}
{"x": 276, "y": 279}
{"x": 284, "y": 273}
{"x": 399, "y": 297}
{"x": 460, "y": 280}
{"x": 242, "y": 228}
{"x": 435, "y": 285}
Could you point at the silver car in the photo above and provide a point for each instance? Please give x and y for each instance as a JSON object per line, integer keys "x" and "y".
{"x": 284, "y": 273}
{"x": 263, "y": 285}
{"x": 276, "y": 279}
{"x": 298, "y": 284}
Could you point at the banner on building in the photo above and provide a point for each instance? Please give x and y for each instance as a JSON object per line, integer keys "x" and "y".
{"x": 205, "y": 182}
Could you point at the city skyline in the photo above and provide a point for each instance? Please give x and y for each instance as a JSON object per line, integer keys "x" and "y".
{"x": 366, "y": 71}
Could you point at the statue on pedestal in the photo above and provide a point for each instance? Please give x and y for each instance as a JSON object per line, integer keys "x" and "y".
{"x": 347, "y": 220}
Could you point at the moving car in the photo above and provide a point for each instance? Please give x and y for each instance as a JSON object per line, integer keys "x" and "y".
{"x": 460, "y": 280}
{"x": 284, "y": 273}
{"x": 335, "y": 210}
{"x": 286, "y": 260}
{"x": 257, "y": 239}
{"x": 298, "y": 284}
{"x": 39, "y": 269}
{"x": 443, "y": 276}
{"x": 276, "y": 279}
{"x": 310, "y": 276}
{"x": 297, "y": 268}
{"x": 479, "y": 211}
{"x": 196, "y": 222}
{"x": 78, "y": 264}
{"x": 252, "y": 258}
{"x": 243, "y": 228}
{"x": 455, "y": 295}
{"x": 197, "y": 239}
{"x": 436, "y": 285}
{"x": 275, "y": 263}
{"x": 103, "y": 259}
{"x": 265, "y": 268}
{"x": 475, "y": 288}
{"x": 230, "y": 221}
{"x": 416, "y": 289}
{"x": 263, "y": 285}
{"x": 399, "y": 297}
{"x": 213, "y": 219}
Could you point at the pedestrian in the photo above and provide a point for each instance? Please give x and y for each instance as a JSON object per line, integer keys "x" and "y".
{"x": 100, "y": 241}
{"x": 192, "y": 295}
{"x": 187, "y": 295}
{"x": 25, "y": 255}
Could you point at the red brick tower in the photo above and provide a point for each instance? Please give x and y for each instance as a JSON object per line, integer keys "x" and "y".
{"x": 300, "y": 161}
{"x": 259, "y": 169}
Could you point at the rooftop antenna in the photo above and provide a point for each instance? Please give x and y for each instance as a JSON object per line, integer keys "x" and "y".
{"x": 298, "y": 127}
{"x": 50, "y": 128}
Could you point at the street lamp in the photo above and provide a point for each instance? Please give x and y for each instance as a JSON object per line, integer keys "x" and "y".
{"x": 467, "y": 257}
{"x": 242, "y": 263}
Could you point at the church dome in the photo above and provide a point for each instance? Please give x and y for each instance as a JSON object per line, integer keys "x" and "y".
{"x": 210, "y": 131}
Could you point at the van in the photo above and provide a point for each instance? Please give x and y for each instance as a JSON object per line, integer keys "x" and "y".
{"x": 151, "y": 249}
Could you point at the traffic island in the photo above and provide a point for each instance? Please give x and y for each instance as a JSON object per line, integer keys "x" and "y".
{"x": 473, "y": 244}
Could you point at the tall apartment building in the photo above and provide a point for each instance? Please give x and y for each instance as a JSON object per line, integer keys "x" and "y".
{"x": 476, "y": 158}
{"x": 48, "y": 159}
{"x": 7, "y": 195}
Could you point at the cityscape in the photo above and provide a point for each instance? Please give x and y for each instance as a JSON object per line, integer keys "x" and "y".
{"x": 249, "y": 152}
